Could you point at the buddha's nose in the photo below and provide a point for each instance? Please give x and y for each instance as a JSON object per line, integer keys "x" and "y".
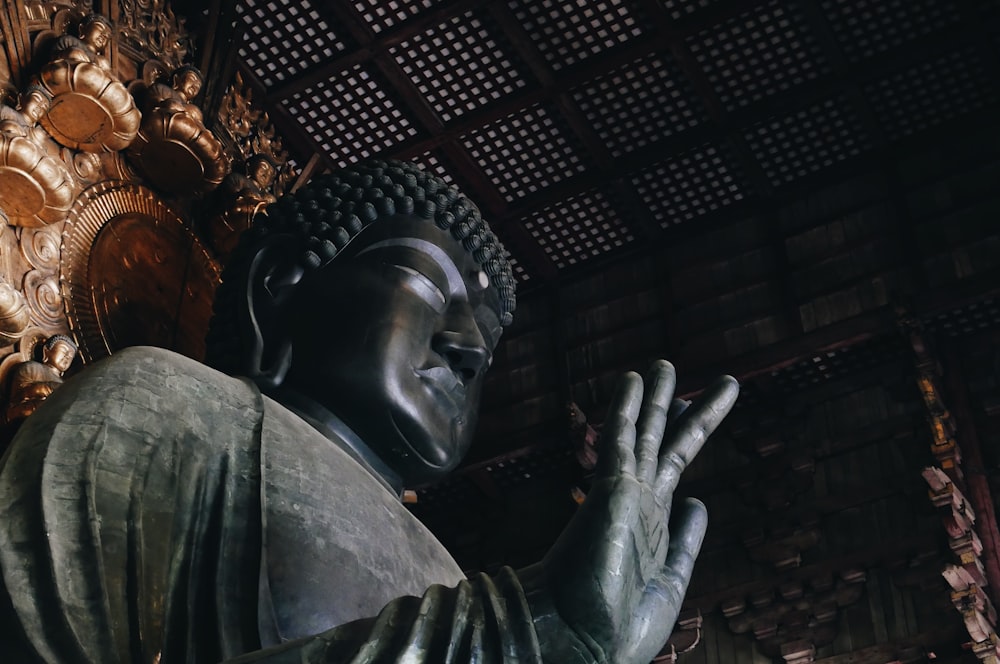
{"x": 464, "y": 351}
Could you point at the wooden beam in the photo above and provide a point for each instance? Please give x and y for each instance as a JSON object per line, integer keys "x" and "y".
{"x": 878, "y": 554}
{"x": 943, "y": 641}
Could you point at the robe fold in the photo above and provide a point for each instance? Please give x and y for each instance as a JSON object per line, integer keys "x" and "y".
{"x": 155, "y": 510}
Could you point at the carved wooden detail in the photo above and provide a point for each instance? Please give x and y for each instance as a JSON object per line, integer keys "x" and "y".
{"x": 101, "y": 135}
{"x": 966, "y": 575}
{"x": 791, "y": 622}
{"x": 250, "y": 132}
{"x": 149, "y": 28}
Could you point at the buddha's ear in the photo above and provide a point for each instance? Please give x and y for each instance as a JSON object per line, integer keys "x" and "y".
{"x": 265, "y": 311}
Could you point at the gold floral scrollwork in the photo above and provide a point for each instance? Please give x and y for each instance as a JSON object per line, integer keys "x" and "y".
{"x": 40, "y": 247}
{"x": 91, "y": 109}
{"x": 149, "y": 28}
{"x": 44, "y": 299}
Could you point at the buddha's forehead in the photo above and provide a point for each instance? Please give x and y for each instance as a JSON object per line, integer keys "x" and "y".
{"x": 401, "y": 233}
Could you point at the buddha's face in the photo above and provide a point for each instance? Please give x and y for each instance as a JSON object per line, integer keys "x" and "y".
{"x": 262, "y": 172}
{"x": 188, "y": 85}
{"x": 394, "y": 337}
{"x": 97, "y": 35}
{"x": 60, "y": 356}
{"x": 34, "y": 106}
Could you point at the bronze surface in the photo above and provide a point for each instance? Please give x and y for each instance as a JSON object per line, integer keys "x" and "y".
{"x": 91, "y": 110}
{"x": 134, "y": 274}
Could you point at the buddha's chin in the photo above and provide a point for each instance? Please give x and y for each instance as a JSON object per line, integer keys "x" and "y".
{"x": 424, "y": 453}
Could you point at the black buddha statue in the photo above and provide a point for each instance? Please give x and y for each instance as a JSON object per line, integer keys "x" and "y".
{"x": 157, "y": 510}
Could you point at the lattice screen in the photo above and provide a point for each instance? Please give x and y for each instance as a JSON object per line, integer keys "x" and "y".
{"x": 461, "y": 65}
{"x": 639, "y": 104}
{"x": 693, "y": 105}
{"x": 757, "y": 54}
{"x": 285, "y": 37}
{"x": 688, "y": 186}
{"x": 865, "y": 28}
{"x": 820, "y": 135}
{"x": 579, "y": 229}
{"x": 932, "y": 92}
{"x": 352, "y": 116}
{"x": 526, "y": 152}
{"x": 568, "y": 31}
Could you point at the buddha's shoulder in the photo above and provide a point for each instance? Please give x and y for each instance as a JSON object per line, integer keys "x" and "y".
{"x": 154, "y": 379}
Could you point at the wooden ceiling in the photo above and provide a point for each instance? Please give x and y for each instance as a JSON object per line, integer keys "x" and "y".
{"x": 755, "y": 187}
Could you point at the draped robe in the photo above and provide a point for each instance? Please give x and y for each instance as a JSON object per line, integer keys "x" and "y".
{"x": 155, "y": 510}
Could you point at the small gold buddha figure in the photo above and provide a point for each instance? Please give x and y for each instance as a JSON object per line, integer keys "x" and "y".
{"x": 241, "y": 197}
{"x": 95, "y": 33}
{"x": 186, "y": 84}
{"x": 23, "y": 121}
{"x": 32, "y": 382}
{"x": 35, "y": 185}
{"x": 174, "y": 149}
{"x": 91, "y": 109}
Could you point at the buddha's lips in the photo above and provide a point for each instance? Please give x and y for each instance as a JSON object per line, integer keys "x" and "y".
{"x": 446, "y": 381}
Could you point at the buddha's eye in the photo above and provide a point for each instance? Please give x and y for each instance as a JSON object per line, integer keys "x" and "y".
{"x": 421, "y": 284}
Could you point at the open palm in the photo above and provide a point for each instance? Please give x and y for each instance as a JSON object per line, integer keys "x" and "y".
{"x": 615, "y": 579}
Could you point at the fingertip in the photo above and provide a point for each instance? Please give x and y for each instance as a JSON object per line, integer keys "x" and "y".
{"x": 662, "y": 365}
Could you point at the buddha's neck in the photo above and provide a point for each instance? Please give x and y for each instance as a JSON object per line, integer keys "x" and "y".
{"x": 337, "y": 431}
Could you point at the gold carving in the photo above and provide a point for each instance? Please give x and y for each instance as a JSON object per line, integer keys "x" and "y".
{"x": 35, "y": 187}
{"x": 149, "y": 28}
{"x": 252, "y": 133}
{"x": 133, "y": 273}
{"x": 174, "y": 148}
{"x": 32, "y": 382}
{"x": 40, "y": 247}
{"x": 91, "y": 109}
{"x": 45, "y": 303}
{"x": 242, "y": 197}
{"x": 14, "y": 317}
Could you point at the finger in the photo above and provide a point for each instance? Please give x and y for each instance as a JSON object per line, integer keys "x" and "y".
{"x": 660, "y": 384}
{"x": 677, "y": 408}
{"x": 688, "y": 527}
{"x": 617, "y": 449}
{"x": 691, "y": 431}
{"x": 664, "y": 593}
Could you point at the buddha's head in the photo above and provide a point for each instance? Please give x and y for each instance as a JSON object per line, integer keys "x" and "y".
{"x": 379, "y": 294}
{"x": 261, "y": 169}
{"x": 35, "y": 102}
{"x": 58, "y": 352}
{"x": 95, "y": 31}
{"x": 187, "y": 82}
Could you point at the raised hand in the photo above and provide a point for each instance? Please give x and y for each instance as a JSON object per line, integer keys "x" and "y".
{"x": 612, "y": 585}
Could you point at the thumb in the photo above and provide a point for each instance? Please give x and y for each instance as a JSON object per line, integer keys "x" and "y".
{"x": 657, "y": 612}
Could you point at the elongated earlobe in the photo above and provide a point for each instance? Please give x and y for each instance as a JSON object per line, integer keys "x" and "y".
{"x": 271, "y": 279}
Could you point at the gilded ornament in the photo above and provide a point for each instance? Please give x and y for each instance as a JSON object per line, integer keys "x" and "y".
{"x": 44, "y": 298}
{"x": 14, "y": 316}
{"x": 174, "y": 149}
{"x": 252, "y": 133}
{"x": 32, "y": 382}
{"x": 35, "y": 187}
{"x": 91, "y": 109}
{"x": 242, "y": 196}
{"x": 133, "y": 273}
{"x": 149, "y": 28}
